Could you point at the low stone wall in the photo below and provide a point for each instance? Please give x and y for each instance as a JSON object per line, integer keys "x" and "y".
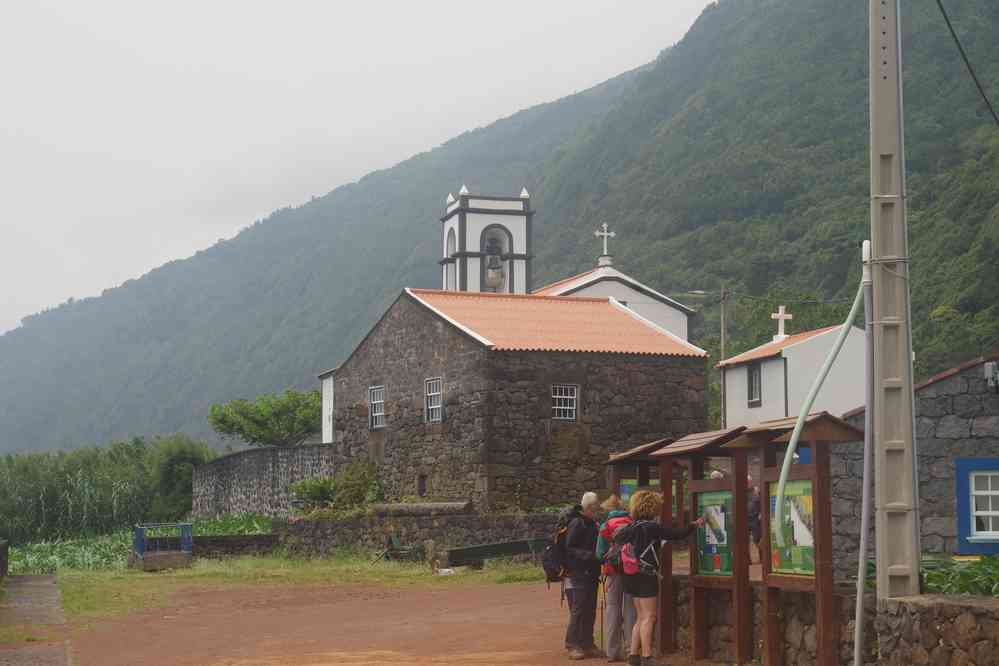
{"x": 444, "y": 528}
{"x": 797, "y": 623}
{"x": 936, "y": 629}
{"x": 257, "y": 480}
{"x": 219, "y": 546}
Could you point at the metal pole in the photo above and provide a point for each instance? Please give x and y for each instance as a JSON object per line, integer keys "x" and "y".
{"x": 896, "y": 497}
{"x": 724, "y": 416}
{"x": 865, "y": 503}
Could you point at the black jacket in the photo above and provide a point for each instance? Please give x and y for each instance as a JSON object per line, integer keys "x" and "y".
{"x": 581, "y": 550}
{"x": 643, "y": 532}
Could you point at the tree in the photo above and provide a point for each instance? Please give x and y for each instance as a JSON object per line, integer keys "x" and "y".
{"x": 171, "y": 466}
{"x": 270, "y": 420}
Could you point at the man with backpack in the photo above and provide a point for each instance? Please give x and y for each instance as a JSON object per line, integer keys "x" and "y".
{"x": 619, "y": 617}
{"x": 582, "y": 578}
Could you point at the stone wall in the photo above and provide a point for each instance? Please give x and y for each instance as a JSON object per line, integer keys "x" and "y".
{"x": 933, "y": 629}
{"x": 308, "y": 538}
{"x": 405, "y": 348}
{"x": 624, "y": 401}
{"x": 257, "y": 480}
{"x": 797, "y": 625}
{"x": 956, "y": 417}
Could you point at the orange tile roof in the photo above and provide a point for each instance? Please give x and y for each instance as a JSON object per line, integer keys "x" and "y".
{"x": 774, "y": 348}
{"x": 529, "y": 322}
{"x": 550, "y": 289}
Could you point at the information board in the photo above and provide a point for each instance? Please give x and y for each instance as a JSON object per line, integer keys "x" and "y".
{"x": 627, "y": 488}
{"x": 713, "y": 543}
{"x": 798, "y": 554}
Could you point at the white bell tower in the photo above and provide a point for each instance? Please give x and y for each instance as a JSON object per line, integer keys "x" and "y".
{"x": 486, "y": 243}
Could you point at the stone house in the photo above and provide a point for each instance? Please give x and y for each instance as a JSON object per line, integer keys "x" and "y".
{"x": 508, "y": 399}
{"x": 957, "y": 444}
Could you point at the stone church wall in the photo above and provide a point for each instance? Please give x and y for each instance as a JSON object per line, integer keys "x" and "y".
{"x": 624, "y": 401}
{"x": 408, "y": 346}
{"x": 257, "y": 480}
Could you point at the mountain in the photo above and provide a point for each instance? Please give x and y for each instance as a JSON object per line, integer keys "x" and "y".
{"x": 739, "y": 155}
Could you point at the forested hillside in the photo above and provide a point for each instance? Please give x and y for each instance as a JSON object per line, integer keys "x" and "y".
{"x": 739, "y": 155}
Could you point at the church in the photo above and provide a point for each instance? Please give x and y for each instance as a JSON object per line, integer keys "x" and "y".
{"x": 487, "y": 390}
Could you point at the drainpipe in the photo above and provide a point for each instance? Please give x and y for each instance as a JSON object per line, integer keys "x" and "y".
{"x": 865, "y": 504}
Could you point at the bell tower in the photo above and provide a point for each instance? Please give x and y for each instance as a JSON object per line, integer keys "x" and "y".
{"x": 486, "y": 243}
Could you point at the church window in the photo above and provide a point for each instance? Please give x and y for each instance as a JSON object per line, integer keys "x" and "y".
{"x": 451, "y": 269}
{"x": 754, "y": 391}
{"x": 564, "y": 401}
{"x": 376, "y": 407}
{"x": 432, "y": 401}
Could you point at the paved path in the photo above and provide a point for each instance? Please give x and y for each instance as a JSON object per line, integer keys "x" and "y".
{"x": 33, "y": 601}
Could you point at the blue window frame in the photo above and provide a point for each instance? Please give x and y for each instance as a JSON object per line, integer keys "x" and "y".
{"x": 977, "y": 484}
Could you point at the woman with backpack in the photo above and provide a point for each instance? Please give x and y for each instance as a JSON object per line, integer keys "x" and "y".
{"x": 619, "y": 617}
{"x": 640, "y": 561}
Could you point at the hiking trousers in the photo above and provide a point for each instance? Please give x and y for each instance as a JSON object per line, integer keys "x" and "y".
{"x": 582, "y": 615}
{"x": 619, "y": 617}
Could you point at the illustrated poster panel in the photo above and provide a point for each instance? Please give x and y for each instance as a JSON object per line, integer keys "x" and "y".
{"x": 798, "y": 554}
{"x": 627, "y": 487}
{"x": 713, "y": 543}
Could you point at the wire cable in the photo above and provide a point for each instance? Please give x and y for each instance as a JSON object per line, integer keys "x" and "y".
{"x": 971, "y": 70}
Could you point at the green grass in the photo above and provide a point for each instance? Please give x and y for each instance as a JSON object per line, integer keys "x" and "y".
{"x": 95, "y": 594}
{"x": 110, "y": 552}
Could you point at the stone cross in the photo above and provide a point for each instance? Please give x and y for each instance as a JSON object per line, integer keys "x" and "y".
{"x": 605, "y": 235}
{"x": 781, "y": 316}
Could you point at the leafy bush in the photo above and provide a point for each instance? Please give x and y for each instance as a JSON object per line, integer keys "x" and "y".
{"x": 356, "y": 488}
{"x": 271, "y": 419}
{"x": 315, "y": 493}
{"x": 950, "y": 577}
{"x": 171, "y": 471}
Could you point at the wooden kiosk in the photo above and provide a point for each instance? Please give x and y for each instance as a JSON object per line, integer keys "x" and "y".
{"x": 638, "y": 456}
{"x": 805, "y": 563}
{"x": 719, "y": 556}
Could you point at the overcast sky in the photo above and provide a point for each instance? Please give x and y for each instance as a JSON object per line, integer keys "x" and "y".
{"x": 133, "y": 133}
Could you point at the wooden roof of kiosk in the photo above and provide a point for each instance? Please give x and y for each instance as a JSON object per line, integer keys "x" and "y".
{"x": 819, "y": 427}
{"x": 691, "y": 452}
{"x": 640, "y": 453}
{"x": 821, "y": 430}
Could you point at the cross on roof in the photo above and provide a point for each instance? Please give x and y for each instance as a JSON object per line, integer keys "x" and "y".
{"x": 781, "y": 316}
{"x": 605, "y": 235}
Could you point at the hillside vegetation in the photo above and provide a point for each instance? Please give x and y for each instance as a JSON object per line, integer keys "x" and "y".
{"x": 738, "y": 156}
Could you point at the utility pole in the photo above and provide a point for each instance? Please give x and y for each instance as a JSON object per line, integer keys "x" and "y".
{"x": 896, "y": 494}
{"x": 721, "y": 352}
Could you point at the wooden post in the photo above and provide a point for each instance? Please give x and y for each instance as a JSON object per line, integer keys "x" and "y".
{"x": 643, "y": 474}
{"x": 615, "y": 479}
{"x": 698, "y": 595}
{"x": 826, "y": 615}
{"x": 667, "y": 618}
{"x": 742, "y": 608}
{"x": 773, "y": 655}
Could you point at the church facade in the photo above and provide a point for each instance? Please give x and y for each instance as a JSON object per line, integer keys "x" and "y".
{"x": 481, "y": 390}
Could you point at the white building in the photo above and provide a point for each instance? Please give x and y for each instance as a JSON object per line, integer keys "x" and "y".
{"x": 772, "y": 381}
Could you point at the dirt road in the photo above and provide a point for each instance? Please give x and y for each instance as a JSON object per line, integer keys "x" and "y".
{"x": 297, "y": 626}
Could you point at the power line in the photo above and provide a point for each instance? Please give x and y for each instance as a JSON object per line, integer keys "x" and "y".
{"x": 971, "y": 70}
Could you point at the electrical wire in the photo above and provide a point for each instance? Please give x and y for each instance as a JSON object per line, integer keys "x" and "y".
{"x": 964, "y": 56}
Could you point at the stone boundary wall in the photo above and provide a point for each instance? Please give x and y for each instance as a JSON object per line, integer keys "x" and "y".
{"x": 437, "y": 530}
{"x": 257, "y": 480}
{"x": 937, "y": 629}
{"x": 219, "y": 546}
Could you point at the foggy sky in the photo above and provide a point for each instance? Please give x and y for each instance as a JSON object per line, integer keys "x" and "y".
{"x": 133, "y": 133}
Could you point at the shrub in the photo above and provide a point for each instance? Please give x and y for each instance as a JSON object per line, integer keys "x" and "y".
{"x": 949, "y": 577}
{"x": 356, "y": 488}
{"x": 316, "y": 493}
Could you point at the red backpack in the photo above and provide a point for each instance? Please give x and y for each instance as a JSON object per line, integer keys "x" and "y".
{"x": 612, "y": 565}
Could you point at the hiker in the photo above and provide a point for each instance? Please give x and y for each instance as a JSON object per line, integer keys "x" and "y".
{"x": 645, "y": 507}
{"x": 581, "y": 581}
{"x": 619, "y": 616}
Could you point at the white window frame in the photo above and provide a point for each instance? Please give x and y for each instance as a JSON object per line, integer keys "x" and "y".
{"x": 565, "y": 402}
{"x": 376, "y": 407}
{"x": 756, "y": 401}
{"x": 990, "y": 495}
{"x": 433, "y": 400}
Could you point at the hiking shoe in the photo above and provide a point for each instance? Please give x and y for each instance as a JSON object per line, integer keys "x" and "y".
{"x": 575, "y": 654}
{"x": 593, "y": 652}
{"x": 634, "y": 660}
{"x": 651, "y": 661}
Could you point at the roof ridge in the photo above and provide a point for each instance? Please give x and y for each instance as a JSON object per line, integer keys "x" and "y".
{"x": 777, "y": 346}
{"x": 566, "y": 280}
{"x": 488, "y": 294}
